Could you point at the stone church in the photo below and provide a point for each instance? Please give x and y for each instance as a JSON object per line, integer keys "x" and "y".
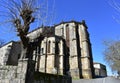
{"x": 65, "y": 50}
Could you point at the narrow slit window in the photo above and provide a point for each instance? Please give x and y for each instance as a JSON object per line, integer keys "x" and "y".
{"x": 49, "y": 46}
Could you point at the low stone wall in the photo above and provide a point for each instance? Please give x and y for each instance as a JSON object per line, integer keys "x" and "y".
{"x": 8, "y": 74}
{"x": 13, "y": 74}
{"x": 17, "y": 74}
{"x": 51, "y": 78}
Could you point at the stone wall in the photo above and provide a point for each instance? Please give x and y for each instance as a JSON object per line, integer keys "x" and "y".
{"x": 79, "y": 47}
{"x": 51, "y": 78}
{"x": 4, "y": 53}
{"x": 13, "y": 74}
{"x": 71, "y": 54}
{"x": 49, "y": 56}
{"x": 24, "y": 73}
{"x": 7, "y": 73}
{"x": 9, "y": 53}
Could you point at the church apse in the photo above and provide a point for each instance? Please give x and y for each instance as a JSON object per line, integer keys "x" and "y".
{"x": 67, "y": 51}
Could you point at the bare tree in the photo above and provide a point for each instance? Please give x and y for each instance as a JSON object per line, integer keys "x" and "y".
{"x": 21, "y": 14}
{"x": 112, "y": 54}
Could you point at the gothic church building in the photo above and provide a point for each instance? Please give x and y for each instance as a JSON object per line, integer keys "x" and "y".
{"x": 65, "y": 50}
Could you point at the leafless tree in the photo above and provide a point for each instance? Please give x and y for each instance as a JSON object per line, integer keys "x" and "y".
{"x": 21, "y": 14}
{"x": 112, "y": 54}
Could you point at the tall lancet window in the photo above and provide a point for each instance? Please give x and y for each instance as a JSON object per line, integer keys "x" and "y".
{"x": 67, "y": 35}
{"x": 74, "y": 32}
{"x": 49, "y": 47}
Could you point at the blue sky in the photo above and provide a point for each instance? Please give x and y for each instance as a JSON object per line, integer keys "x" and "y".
{"x": 98, "y": 15}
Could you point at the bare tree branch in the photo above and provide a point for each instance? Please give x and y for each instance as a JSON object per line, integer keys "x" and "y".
{"x": 112, "y": 54}
{"x": 22, "y": 13}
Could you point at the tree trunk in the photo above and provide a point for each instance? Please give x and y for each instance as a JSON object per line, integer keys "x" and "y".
{"x": 23, "y": 51}
{"x": 27, "y": 52}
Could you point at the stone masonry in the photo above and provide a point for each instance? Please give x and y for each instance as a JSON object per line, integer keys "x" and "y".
{"x": 24, "y": 73}
{"x": 66, "y": 51}
{"x": 13, "y": 74}
{"x": 79, "y": 46}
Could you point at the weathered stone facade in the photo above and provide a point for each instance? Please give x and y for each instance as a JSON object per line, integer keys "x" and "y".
{"x": 64, "y": 51}
{"x": 70, "y": 39}
{"x": 79, "y": 46}
{"x": 13, "y": 74}
{"x": 25, "y": 73}
{"x": 10, "y": 53}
